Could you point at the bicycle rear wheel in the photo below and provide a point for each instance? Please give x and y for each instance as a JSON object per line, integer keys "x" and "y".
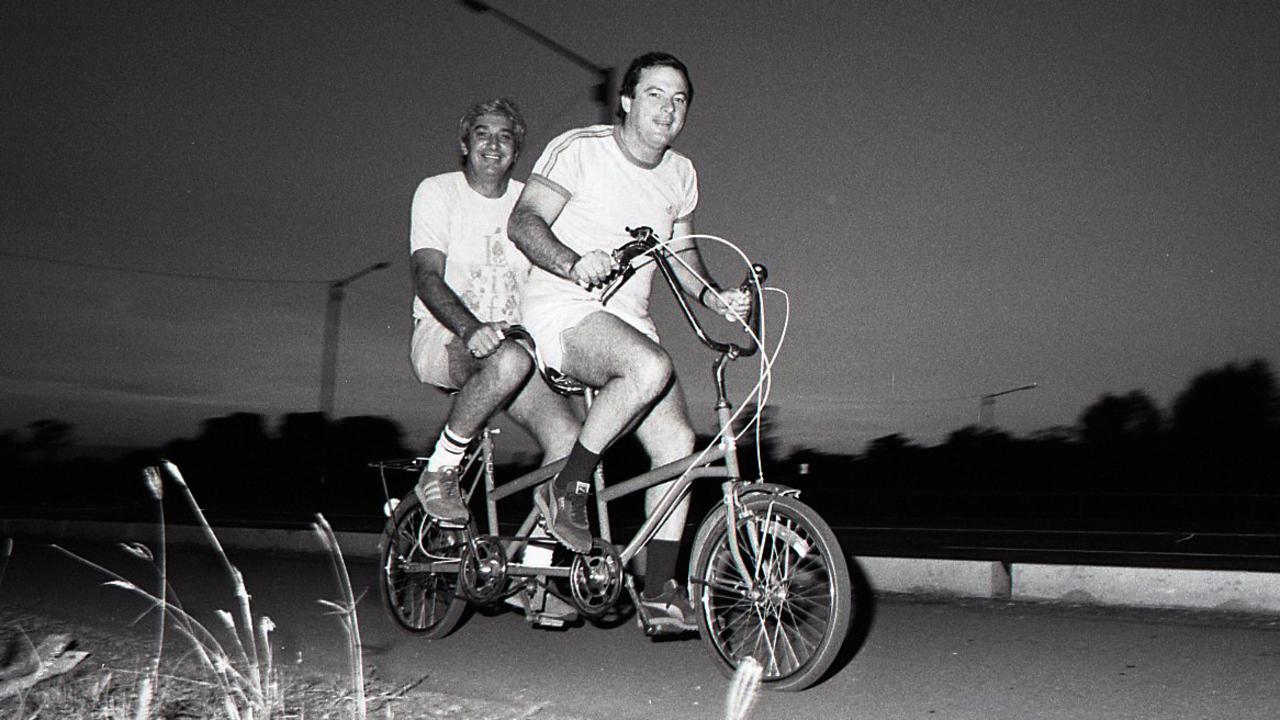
{"x": 795, "y": 615}
{"x": 422, "y": 602}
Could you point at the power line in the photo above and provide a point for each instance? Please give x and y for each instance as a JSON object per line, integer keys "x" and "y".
{"x": 164, "y": 273}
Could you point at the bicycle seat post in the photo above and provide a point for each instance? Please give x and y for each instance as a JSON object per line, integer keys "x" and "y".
{"x": 486, "y": 469}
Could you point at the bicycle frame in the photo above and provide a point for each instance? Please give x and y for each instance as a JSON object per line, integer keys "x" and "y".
{"x": 767, "y": 578}
{"x": 683, "y": 471}
{"x": 696, "y": 466}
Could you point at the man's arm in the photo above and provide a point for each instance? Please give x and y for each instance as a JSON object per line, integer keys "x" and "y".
{"x": 530, "y": 229}
{"x": 690, "y": 278}
{"x": 428, "y": 282}
{"x": 687, "y": 252}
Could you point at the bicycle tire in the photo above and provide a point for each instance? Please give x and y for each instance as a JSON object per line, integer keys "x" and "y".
{"x": 422, "y": 603}
{"x": 797, "y": 621}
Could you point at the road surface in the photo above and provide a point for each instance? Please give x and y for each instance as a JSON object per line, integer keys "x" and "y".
{"x": 917, "y": 657}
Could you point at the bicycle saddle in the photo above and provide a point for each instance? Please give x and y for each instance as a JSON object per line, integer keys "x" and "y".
{"x": 561, "y": 383}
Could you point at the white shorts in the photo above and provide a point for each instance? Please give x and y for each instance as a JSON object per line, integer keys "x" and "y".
{"x": 429, "y": 352}
{"x": 548, "y": 317}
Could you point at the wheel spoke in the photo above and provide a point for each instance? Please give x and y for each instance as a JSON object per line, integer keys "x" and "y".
{"x": 421, "y": 599}
{"x": 764, "y": 639}
{"x": 779, "y": 592}
{"x": 797, "y": 632}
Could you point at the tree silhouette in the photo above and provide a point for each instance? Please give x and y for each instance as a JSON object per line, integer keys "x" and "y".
{"x": 1119, "y": 419}
{"x": 1226, "y": 428}
{"x": 48, "y": 440}
{"x": 894, "y": 461}
{"x": 1121, "y": 465}
{"x": 1122, "y": 435}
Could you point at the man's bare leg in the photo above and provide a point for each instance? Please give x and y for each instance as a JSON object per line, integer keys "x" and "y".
{"x": 630, "y": 371}
{"x": 549, "y": 418}
{"x": 487, "y": 384}
{"x": 667, "y": 435}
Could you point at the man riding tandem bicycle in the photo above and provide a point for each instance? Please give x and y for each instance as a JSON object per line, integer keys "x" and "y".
{"x": 767, "y": 579}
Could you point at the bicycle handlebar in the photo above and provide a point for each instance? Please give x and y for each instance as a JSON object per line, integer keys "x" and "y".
{"x": 646, "y": 242}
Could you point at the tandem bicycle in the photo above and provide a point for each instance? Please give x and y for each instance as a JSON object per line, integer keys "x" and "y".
{"x": 767, "y": 578}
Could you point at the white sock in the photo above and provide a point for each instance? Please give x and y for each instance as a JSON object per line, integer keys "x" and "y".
{"x": 449, "y": 450}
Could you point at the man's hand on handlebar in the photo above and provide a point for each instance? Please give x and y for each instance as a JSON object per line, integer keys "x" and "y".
{"x": 593, "y": 269}
{"x": 485, "y": 338}
{"x": 734, "y": 304}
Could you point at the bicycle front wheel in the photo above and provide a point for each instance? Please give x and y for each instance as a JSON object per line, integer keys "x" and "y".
{"x": 788, "y": 605}
{"x": 421, "y": 600}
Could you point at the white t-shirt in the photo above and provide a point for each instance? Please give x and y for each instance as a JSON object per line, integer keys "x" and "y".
{"x": 482, "y": 265}
{"x": 609, "y": 191}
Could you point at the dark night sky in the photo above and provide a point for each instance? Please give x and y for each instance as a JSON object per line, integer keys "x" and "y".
{"x": 959, "y": 197}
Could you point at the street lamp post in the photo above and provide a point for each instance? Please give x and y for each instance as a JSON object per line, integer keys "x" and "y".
{"x": 602, "y": 92}
{"x": 329, "y": 351}
{"x": 987, "y": 404}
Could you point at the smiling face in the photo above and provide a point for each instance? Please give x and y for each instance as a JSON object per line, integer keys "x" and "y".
{"x": 490, "y": 148}
{"x": 656, "y": 112}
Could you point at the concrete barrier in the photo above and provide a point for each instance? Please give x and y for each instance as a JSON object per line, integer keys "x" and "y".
{"x": 963, "y": 578}
{"x": 1081, "y": 584}
{"x": 1149, "y": 587}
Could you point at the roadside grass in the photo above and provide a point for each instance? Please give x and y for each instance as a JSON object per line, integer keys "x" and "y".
{"x": 107, "y": 686}
{"x": 227, "y": 673}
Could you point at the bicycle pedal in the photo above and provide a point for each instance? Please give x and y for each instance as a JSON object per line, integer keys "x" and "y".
{"x": 547, "y": 621}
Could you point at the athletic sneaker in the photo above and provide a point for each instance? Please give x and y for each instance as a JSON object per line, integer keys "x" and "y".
{"x": 441, "y": 497}
{"x": 670, "y": 610}
{"x": 565, "y": 511}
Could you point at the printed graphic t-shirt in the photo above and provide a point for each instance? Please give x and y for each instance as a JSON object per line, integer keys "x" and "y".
{"x": 482, "y": 265}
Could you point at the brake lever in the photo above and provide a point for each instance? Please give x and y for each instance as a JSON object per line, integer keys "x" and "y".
{"x": 644, "y": 242}
{"x": 758, "y": 274}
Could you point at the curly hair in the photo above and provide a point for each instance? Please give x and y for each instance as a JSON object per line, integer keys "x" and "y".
{"x": 496, "y": 106}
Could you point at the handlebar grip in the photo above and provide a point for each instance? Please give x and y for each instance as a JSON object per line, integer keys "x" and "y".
{"x": 752, "y": 283}
{"x": 759, "y": 273}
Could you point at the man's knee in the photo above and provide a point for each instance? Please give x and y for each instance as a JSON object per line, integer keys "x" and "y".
{"x": 651, "y": 370}
{"x": 667, "y": 442}
{"x": 510, "y": 364}
{"x": 555, "y": 435}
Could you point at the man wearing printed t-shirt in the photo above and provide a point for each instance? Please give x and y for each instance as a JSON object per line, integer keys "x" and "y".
{"x": 467, "y": 285}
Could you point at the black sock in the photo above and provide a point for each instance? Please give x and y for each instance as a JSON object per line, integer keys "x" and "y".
{"x": 659, "y": 565}
{"x": 577, "y": 467}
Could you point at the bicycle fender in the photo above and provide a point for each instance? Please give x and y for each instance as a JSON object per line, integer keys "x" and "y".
{"x": 769, "y": 488}
{"x": 747, "y": 491}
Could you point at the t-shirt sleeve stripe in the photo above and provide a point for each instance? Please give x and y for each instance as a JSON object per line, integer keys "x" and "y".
{"x": 551, "y": 184}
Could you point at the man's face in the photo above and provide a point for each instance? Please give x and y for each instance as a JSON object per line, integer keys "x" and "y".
{"x": 661, "y": 100}
{"x": 491, "y": 146}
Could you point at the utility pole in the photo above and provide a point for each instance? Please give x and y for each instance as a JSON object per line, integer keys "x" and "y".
{"x": 987, "y": 404}
{"x": 329, "y": 350}
{"x": 602, "y": 91}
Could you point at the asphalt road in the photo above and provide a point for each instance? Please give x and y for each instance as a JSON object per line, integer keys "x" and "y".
{"x": 916, "y": 658}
